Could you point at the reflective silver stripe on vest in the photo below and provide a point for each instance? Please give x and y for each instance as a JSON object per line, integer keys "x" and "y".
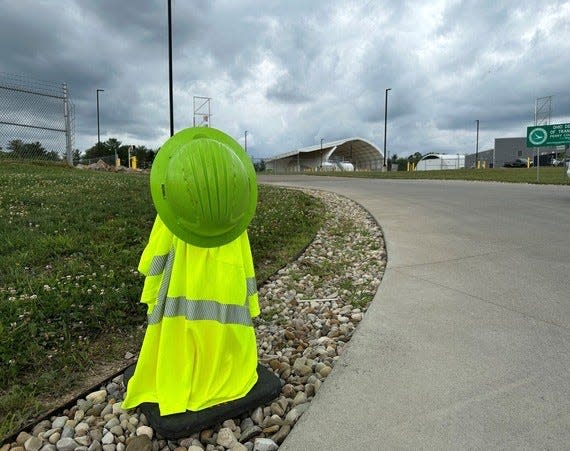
{"x": 193, "y": 309}
{"x": 157, "y": 265}
{"x": 165, "y": 283}
{"x": 251, "y": 286}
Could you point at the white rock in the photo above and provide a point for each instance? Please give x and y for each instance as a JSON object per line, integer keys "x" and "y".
{"x": 66, "y": 444}
{"x": 54, "y": 438}
{"x": 108, "y": 438}
{"x": 33, "y": 444}
{"x": 118, "y": 409}
{"x": 301, "y": 398}
{"x": 292, "y": 416}
{"x": 59, "y": 422}
{"x": 226, "y": 438}
{"x": 81, "y": 429}
{"x": 97, "y": 397}
{"x": 84, "y": 440}
{"x": 264, "y": 444}
{"x": 146, "y": 430}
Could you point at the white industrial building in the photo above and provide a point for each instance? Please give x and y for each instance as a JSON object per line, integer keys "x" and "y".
{"x": 351, "y": 154}
{"x": 438, "y": 162}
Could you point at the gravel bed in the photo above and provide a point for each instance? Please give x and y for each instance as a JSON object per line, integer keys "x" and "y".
{"x": 310, "y": 309}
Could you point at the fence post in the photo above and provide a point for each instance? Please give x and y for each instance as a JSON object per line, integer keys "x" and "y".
{"x": 66, "y": 113}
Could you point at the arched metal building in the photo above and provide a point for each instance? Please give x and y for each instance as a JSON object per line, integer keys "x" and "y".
{"x": 438, "y": 161}
{"x": 342, "y": 155}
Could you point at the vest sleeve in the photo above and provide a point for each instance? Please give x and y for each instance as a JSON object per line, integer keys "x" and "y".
{"x": 155, "y": 252}
{"x": 252, "y": 294}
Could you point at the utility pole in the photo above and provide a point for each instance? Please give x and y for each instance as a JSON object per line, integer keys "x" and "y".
{"x": 385, "y": 125}
{"x": 170, "y": 67}
{"x": 98, "y": 133}
{"x": 477, "y": 147}
{"x": 246, "y": 141}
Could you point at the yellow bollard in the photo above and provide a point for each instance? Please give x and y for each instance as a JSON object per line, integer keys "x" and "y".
{"x": 528, "y": 162}
{"x": 133, "y": 162}
{"x": 117, "y": 162}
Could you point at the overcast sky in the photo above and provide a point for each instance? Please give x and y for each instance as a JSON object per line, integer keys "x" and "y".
{"x": 292, "y": 72}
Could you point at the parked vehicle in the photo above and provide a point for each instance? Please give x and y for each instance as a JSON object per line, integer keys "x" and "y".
{"x": 518, "y": 163}
{"x": 560, "y": 162}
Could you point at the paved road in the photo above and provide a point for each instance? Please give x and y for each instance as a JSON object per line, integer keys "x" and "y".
{"x": 467, "y": 341}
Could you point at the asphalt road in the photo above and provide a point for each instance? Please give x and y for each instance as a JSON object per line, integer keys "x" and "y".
{"x": 467, "y": 342}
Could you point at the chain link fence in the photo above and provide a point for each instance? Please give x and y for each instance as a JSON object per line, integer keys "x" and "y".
{"x": 37, "y": 119}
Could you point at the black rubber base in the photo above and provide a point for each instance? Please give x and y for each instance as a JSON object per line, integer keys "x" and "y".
{"x": 182, "y": 425}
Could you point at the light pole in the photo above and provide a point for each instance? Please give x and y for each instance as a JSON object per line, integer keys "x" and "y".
{"x": 170, "y": 67}
{"x": 246, "y": 141}
{"x": 385, "y": 123}
{"x": 322, "y": 139}
{"x": 98, "y": 133}
{"x": 477, "y": 147}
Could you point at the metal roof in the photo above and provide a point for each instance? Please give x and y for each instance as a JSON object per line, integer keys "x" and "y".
{"x": 360, "y": 146}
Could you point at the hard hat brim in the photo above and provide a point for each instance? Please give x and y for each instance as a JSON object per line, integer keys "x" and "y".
{"x": 158, "y": 176}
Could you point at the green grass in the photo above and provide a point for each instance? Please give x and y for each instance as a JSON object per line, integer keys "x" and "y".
{"x": 287, "y": 222}
{"x": 548, "y": 175}
{"x": 69, "y": 289}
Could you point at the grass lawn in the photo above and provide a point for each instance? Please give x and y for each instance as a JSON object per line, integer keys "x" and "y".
{"x": 548, "y": 175}
{"x": 69, "y": 288}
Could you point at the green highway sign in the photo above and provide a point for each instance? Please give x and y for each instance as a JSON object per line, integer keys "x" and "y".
{"x": 548, "y": 135}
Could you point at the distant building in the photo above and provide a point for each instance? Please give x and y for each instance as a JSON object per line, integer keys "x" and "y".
{"x": 484, "y": 155}
{"x": 509, "y": 149}
{"x": 438, "y": 162}
{"x": 506, "y": 149}
{"x": 350, "y": 154}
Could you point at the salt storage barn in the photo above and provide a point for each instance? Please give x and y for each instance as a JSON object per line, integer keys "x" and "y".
{"x": 351, "y": 154}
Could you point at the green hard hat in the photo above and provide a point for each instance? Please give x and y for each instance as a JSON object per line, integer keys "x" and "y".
{"x": 203, "y": 187}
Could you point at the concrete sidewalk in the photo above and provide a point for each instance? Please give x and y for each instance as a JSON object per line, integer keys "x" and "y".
{"x": 467, "y": 341}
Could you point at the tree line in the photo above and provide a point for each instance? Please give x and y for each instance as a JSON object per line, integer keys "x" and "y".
{"x": 18, "y": 149}
{"x": 402, "y": 162}
{"x": 112, "y": 147}
{"x": 107, "y": 150}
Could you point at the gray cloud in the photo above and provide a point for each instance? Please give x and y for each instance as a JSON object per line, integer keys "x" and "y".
{"x": 294, "y": 72}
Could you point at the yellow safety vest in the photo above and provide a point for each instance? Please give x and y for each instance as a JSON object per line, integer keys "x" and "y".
{"x": 199, "y": 349}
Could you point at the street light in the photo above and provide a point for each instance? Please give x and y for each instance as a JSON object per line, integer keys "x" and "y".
{"x": 98, "y": 134}
{"x": 477, "y": 146}
{"x": 385, "y": 123}
{"x": 170, "y": 67}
